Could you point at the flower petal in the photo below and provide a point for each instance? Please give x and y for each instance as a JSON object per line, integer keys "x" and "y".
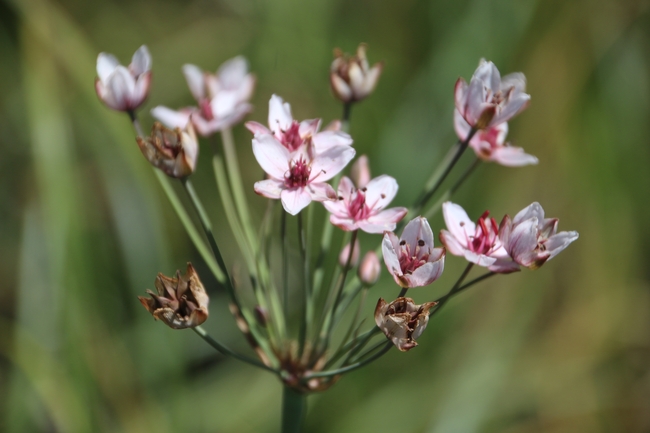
{"x": 141, "y": 61}
{"x": 518, "y": 102}
{"x": 380, "y": 191}
{"x": 479, "y": 259}
{"x": 458, "y": 223}
{"x": 383, "y": 221}
{"x": 272, "y": 156}
{"x": 427, "y": 273}
{"x": 418, "y": 229}
{"x": 389, "y": 247}
{"x": 106, "y": 64}
{"x": 329, "y": 163}
{"x": 534, "y": 210}
{"x": 195, "y": 81}
{"x": 279, "y": 114}
{"x": 257, "y": 128}
{"x": 327, "y": 139}
{"x": 321, "y": 191}
{"x": 308, "y": 127}
{"x": 451, "y": 243}
{"x": 171, "y": 118}
{"x": 513, "y": 156}
{"x": 295, "y": 199}
{"x": 270, "y": 188}
{"x": 232, "y": 72}
{"x": 555, "y": 244}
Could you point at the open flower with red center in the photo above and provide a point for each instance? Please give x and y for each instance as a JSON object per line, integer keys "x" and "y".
{"x": 402, "y": 321}
{"x": 364, "y": 208}
{"x": 222, "y": 98}
{"x": 479, "y": 243}
{"x": 298, "y": 177}
{"x": 412, "y": 259}
{"x": 531, "y": 239}
{"x": 293, "y": 134}
{"x": 489, "y": 144}
{"x": 489, "y": 99}
{"x": 123, "y": 88}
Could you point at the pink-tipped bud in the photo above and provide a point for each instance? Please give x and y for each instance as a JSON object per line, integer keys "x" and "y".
{"x": 370, "y": 269}
{"x": 360, "y": 172}
{"x": 345, "y": 255}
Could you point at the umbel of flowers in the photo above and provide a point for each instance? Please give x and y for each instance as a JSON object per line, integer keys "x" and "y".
{"x": 290, "y": 329}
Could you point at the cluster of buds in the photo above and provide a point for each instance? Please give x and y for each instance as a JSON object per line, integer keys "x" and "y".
{"x": 299, "y": 159}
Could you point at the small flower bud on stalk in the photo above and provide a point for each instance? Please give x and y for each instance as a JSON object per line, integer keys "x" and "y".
{"x": 345, "y": 253}
{"x": 402, "y": 321}
{"x": 123, "y": 88}
{"x": 360, "y": 172}
{"x": 350, "y": 76}
{"x": 370, "y": 269}
{"x": 172, "y": 151}
{"x": 181, "y": 302}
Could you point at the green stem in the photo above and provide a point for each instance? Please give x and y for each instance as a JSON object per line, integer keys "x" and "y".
{"x": 307, "y": 310}
{"x": 447, "y": 195}
{"x": 387, "y": 347}
{"x": 235, "y": 178}
{"x": 285, "y": 265}
{"x": 454, "y": 289}
{"x": 294, "y": 408}
{"x": 228, "y": 352}
{"x": 443, "y": 171}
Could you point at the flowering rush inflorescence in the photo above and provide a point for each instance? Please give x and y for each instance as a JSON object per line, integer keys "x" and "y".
{"x": 301, "y": 163}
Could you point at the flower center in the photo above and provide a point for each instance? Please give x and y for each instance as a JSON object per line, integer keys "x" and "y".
{"x": 485, "y": 236}
{"x": 206, "y": 109}
{"x": 410, "y": 261}
{"x": 291, "y": 138}
{"x": 298, "y": 174}
{"x": 357, "y": 207}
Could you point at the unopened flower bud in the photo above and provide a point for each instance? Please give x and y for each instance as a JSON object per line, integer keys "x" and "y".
{"x": 350, "y": 76}
{"x": 370, "y": 269}
{"x": 360, "y": 172}
{"x": 181, "y": 302}
{"x": 123, "y": 88}
{"x": 345, "y": 255}
{"x": 402, "y": 321}
{"x": 173, "y": 151}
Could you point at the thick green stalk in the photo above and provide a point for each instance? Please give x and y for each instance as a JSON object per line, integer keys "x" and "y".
{"x": 294, "y": 408}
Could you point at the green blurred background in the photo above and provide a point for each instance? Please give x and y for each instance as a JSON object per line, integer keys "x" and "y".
{"x": 85, "y": 228}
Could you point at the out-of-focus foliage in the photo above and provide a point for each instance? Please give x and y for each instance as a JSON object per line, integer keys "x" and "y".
{"x": 84, "y": 227}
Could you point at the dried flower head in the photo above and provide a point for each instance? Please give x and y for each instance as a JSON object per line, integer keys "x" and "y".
{"x": 402, "y": 321}
{"x": 172, "y": 151}
{"x": 181, "y": 302}
{"x": 350, "y": 76}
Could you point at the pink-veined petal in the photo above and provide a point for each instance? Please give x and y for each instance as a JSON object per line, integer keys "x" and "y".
{"x": 513, "y": 157}
{"x": 380, "y": 191}
{"x": 120, "y": 87}
{"x": 171, "y": 118}
{"x": 270, "y": 188}
{"x": 106, "y": 64}
{"x": 321, "y": 191}
{"x": 516, "y": 104}
{"x": 279, "y": 114}
{"x": 555, "y": 244}
{"x": 458, "y": 223}
{"x": 257, "y": 128}
{"x": 479, "y": 259}
{"x": 460, "y": 95}
{"x": 346, "y": 224}
{"x": 504, "y": 266}
{"x": 383, "y": 221}
{"x": 475, "y": 102}
{"x": 195, "y": 81}
{"x": 329, "y": 163}
{"x": 295, "y": 199}
{"x": 389, "y": 246}
{"x": 141, "y": 61}
{"x": 534, "y": 210}
{"x": 272, "y": 156}
{"x": 427, "y": 273}
{"x": 232, "y": 72}
{"x": 308, "y": 127}
{"x": 451, "y": 243}
{"x": 327, "y": 139}
{"x": 523, "y": 240}
{"x": 418, "y": 229}
{"x": 515, "y": 80}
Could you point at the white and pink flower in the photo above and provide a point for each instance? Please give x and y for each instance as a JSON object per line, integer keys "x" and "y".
{"x": 298, "y": 177}
{"x": 489, "y": 144}
{"x": 532, "y": 240}
{"x": 488, "y": 99}
{"x": 479, "y": 243}
{"x": 123, "y": 88}
{"x": 293, "y": 134}
{"x": 412, "y": 260}
{"x": 222, "y": 98}
{"x": 364, "y": 208}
